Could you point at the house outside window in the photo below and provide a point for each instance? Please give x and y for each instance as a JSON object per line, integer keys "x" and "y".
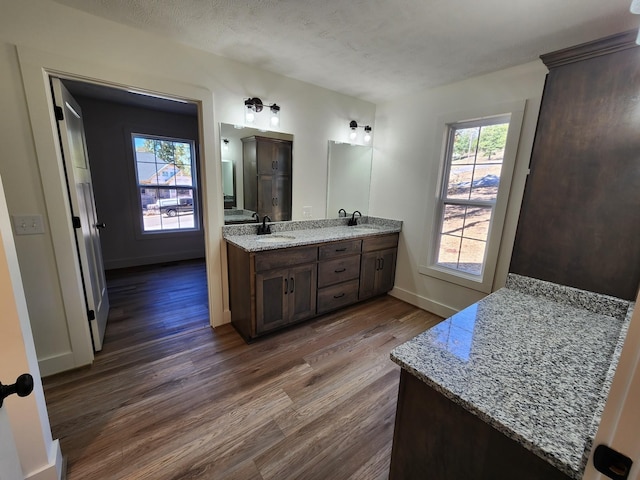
{"x": 166, "y": 183}
{"x": 475, "y": 179}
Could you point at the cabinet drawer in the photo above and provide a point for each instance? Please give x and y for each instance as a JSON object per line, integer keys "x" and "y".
{"x": 380, "y": 243}
{"x": 336, "y": 296}
{"x": 285, "y": 257}
{"x": 339, "y": 249}
{"x": 338, "y": 270}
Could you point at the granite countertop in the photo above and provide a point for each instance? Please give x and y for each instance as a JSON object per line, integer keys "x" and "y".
{"x": 309, "y": 232}
{"x": 535, "y": 360}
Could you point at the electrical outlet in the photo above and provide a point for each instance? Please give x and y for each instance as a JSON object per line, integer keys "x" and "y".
{"x": 307, "y": 212}
{"x": 28, "y": 224}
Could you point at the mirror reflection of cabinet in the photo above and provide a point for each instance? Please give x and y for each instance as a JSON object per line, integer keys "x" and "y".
{"x": 267, "y": 176}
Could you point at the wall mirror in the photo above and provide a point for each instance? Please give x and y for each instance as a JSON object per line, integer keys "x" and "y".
{"x": 245, "y": 185}
{"x": 349, "y": 178}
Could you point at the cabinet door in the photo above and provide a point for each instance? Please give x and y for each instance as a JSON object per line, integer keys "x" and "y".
{"x": 377, "y": 272}
{"x": 282, "y": 156}
{"x": 266, "y": 199}
{"x": 302, "y": 292}
{"x": 368, "y": 271}
{"x": 281, "y": 193}
{"x": 271, "y": 300}
{"x": 387, "y": 271}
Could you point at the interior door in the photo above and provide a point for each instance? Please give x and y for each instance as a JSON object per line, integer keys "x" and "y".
{"x": 74, "y": 150}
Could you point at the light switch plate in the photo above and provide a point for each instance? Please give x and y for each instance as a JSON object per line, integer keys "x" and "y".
{"x": 307, "y": 212}
{"x": 28, "y": 224}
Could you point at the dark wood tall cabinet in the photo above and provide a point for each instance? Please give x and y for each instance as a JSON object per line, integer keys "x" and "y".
{"x": 580, "y": 218}
{"x": 267, "y": 176}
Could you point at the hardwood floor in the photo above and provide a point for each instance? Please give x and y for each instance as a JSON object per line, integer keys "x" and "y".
{"x": 171, "y": 398}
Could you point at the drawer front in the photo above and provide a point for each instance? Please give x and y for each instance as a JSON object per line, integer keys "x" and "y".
{"x": 380, "y": 243}
{"x": 339, "y": 249}
{"x": 285, "y": 257}
{"x": 338, "y": 270}
{"x": 336, "y": 296}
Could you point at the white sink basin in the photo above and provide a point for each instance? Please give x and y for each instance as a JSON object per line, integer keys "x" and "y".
{"x": 275, "y": 239}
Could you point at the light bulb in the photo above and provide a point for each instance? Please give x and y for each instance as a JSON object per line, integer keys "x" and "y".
{"x": 367, "y": 137}
{"x": 353, "y": 134}
{"x": 225, "y": 145}
{"x": 249, "y": 116}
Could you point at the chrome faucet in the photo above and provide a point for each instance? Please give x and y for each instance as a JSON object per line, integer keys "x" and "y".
{"x": 354, "y": 220}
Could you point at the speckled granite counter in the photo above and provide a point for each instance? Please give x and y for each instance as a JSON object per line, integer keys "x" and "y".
{"x": 238, "y": 216}
{"x": 309, "y": 232}
{"x": 534, "y": 360}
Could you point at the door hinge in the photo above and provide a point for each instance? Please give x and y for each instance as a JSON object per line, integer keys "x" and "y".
{"x": 91, "y": 314}
{"x": 59, "y": 114}
{"x": 76, "y": 222}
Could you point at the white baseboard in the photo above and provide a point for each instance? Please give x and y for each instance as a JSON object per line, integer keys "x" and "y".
{"x": 54, "y": 469}
{"x": 424, "y": 303}
{"x": 57, "y": 363}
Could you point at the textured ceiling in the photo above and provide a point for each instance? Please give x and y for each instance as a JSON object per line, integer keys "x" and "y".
{"x": 373, "y": 49}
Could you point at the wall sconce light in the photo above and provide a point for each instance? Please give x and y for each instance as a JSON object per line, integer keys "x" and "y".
{"x": 225, "y": 145}
{"x": 254, "y": 105}
{"x": 353, "y": 134}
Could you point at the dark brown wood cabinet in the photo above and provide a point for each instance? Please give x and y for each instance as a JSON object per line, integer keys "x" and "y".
{"x": 580, "y": 218}
{"x": 378, "y": 265}
{"x": 338, "y": 275}
{"x": 276, "y": 288}
{"x": 284, "y": 297}
{"x": 267, "y": 176}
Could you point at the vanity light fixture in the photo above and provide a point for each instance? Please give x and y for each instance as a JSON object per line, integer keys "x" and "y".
{"x": 254, "y": 105}
{"x": 225, "y": 145}
{"x": 353, "y": 134}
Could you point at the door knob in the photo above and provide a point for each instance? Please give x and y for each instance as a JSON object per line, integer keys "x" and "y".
{"x": 22, "y": 387}
{"x": 100, "y": 225}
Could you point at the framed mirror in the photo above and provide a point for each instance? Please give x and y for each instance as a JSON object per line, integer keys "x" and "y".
{"x": 349, "y": 178}
{"x": 247, "y": 187}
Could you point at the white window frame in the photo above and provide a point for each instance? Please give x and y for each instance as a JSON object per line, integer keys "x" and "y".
{"x": 428, "y": 265}
{"x": 142, "y": 233}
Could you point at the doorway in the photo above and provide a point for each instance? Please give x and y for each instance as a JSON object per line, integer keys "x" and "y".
{"x": 142, "y": 152}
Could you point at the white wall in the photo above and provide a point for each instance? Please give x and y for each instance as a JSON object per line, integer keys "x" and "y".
{"x": 127, "y": 56}
{"x": 407, "y": 156}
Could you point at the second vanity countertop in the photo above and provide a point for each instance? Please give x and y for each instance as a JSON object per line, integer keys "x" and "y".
{"x": 309, "y": 232}
{"x": 535, "y": 360}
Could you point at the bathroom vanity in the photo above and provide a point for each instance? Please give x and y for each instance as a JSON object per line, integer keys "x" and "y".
{"x": 511, "y": 387}
{"x": 305, "y": 269}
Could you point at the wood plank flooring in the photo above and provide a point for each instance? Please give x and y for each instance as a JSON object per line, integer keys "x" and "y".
{"x": 171, "y": 398}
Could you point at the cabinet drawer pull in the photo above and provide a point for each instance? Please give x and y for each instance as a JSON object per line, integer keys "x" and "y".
{"x": 341, "y": 270}
{"x": 341, "y": 249}
{"x": 339, "y": 296}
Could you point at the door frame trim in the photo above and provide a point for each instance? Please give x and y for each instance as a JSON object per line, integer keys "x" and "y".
{"x": 36, "y": 67}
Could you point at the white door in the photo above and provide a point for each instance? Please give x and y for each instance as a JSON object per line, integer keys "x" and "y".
{"x": 76, "y": 161}
{"x": 10, "y": 468}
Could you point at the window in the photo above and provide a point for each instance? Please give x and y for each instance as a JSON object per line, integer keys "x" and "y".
{"x": 474, "y": 155}
{"x": 165, "y": 172}
{"x": 467, "y": 223}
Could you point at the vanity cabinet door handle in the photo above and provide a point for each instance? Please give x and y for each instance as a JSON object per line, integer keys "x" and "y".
{"x": 339, "y": 296}
{"x": 273, "y": 165}
{"x": 276, "y": 165}
{"x": 340, "y": 270}
{"x": 286, "y": 286}
{"x": 382, "y": 264}
{"x": 293, "y": 285}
